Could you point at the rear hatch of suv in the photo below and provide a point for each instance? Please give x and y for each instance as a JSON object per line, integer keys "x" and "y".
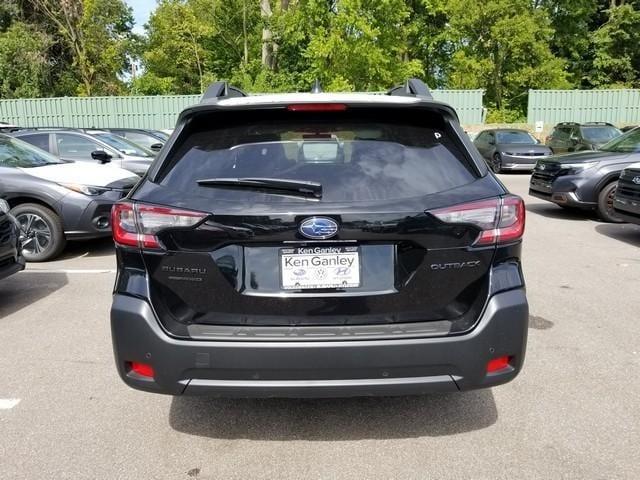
{"x": 311, "y": 220}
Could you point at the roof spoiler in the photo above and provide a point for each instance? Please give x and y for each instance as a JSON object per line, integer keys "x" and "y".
{"x": 218, "y": 90}
{"x": 413, "y": 87}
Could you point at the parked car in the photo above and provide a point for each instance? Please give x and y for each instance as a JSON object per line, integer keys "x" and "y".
{"x": 95, "y": 146}
{"x": 55, "y": 201}
{"x": 8, "y": 127}
{"x": 576, "y": 137}
{"x": 11, "y": 259}
{"x": 318, "y": 245}
{"x": 626, "y": 202}
{"x": 587, "y": 180}
{"x": 510, "y": 149}
{"x": 149, "y": 139}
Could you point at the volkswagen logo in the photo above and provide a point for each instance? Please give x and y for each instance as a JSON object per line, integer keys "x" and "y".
{"x": 318, "y": 228}
{"x": 636, "y": 180}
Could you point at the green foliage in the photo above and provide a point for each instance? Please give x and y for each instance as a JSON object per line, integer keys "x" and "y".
{"x": 505, "y": 47}
{"x": 23, "y": 67}
{"x": 505, "y": 115}
{"x": 617, "y": 49}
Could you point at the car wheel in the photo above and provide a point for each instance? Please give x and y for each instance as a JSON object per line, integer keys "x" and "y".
{"x": 496, "y": 165}
{"x": 41, "y": 232}
{"x": 605, "y": 204}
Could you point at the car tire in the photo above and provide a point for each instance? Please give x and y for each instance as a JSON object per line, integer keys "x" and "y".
{"x": 605, "y": 204}
{"x": 41, "y": 232}
{"x": 496, "y": 164}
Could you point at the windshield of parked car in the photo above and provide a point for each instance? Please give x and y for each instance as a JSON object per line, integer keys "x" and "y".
{"x": 360, "y": 156}
{"x": 627, "y": 143}
{"x": 600, "y": 134}
{"x": 514, "y": 136}
{"x": 123, "y": 145}
{"x": 19, "y": 154}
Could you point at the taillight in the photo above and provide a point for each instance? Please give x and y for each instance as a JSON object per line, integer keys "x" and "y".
{"x": 136, "y": 225}
{"x": 500, "y": 219}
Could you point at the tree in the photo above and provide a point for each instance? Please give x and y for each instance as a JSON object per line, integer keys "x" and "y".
{"x": 503, "y": 47}
{"x": 616, "y": 47}
{"x": 24, "y": 66}
{"x": 191, "y": 42}
{"x": 98, "y": 35}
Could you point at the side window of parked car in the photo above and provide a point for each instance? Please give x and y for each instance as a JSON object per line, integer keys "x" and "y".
{"x": 40, "y": 140}
{"x": 141, "y": 139}
{"x": 75, "y": 146}
{"x": 563, "y": 134}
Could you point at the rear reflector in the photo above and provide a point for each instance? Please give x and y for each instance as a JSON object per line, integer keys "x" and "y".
{"x": 142, "y": 369}
{"x": 136, "y": 225}
{"x": 500, "y": 219}
{"x": 497, "y": 364}
{"x": 317, "y": 107}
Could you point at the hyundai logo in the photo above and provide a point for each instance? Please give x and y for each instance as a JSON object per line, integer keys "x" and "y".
{"x": 318, "y": 228}
{"x": 636, "y": 180}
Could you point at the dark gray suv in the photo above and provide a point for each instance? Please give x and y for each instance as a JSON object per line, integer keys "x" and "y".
{"x": 577, "y": 137}
{"x": 318, "y": 245}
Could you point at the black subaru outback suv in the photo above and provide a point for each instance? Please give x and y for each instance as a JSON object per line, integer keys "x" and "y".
{"x": 310, "y": 245}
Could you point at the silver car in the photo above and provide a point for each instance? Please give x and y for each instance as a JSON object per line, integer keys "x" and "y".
{"x": 96, "y": 146}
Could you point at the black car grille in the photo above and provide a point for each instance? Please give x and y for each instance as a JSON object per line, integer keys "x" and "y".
{"x": 627, "y": 189}
{"x": 528, "y": 154}
{"x": 546, "y": 172}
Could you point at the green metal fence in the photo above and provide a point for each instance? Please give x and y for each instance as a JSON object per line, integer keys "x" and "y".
{"x": 157, "y": 111}
{"x": 554, "y": 106}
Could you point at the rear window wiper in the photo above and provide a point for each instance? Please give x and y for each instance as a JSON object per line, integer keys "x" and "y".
{"x": 282, "y": 186}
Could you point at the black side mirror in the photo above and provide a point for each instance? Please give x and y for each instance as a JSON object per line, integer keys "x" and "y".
{"x": 156, "y": 147}
{"x": 101, "y": 156}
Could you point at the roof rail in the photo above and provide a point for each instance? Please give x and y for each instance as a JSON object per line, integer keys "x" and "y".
{"x": 221, "y": 90}
{"x": 413, "y": 87}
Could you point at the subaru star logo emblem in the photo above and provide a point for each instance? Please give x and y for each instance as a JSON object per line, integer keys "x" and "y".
{"x": 318, "y": 228}
{"x": 636, "y": 180}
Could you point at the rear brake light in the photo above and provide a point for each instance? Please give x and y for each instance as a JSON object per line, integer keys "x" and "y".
{"x": 317, "y": 107}
{"x": 136, "y": 225}
{"x": 501, "y": 220}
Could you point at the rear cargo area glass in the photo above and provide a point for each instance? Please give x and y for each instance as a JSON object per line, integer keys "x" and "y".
{"x": 359, "y": 155}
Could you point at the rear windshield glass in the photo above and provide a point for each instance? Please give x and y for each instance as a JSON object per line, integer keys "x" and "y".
{"x": 600, "y": 134}
{"x": 515, "y": 137}
{"x": 355, "y": 156}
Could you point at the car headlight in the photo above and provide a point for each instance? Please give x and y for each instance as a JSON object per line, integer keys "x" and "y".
{"x": 85, "y": 189}
{"x": 575, "y": 168}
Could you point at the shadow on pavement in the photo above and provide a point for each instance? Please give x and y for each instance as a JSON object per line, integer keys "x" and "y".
{"x": 23, "y": 289}
{"x": 554, "y": 211}
{"x": 625, "y": 232}
{"x": 334, "y": 419}
{"x": 101, "y": 247}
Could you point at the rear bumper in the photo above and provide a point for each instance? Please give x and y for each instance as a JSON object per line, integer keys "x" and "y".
{"x": 319, "y": 369}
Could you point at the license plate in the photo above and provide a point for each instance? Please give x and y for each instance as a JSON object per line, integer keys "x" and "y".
{"x": 319, "y": 267}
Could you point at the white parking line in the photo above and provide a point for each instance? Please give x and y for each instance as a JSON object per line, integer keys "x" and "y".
{"x": 8, "y": 403}
{"x": 69, "y": 270}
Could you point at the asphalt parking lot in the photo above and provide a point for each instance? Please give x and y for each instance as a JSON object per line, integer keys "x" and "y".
{"x": 572, "y": 413}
